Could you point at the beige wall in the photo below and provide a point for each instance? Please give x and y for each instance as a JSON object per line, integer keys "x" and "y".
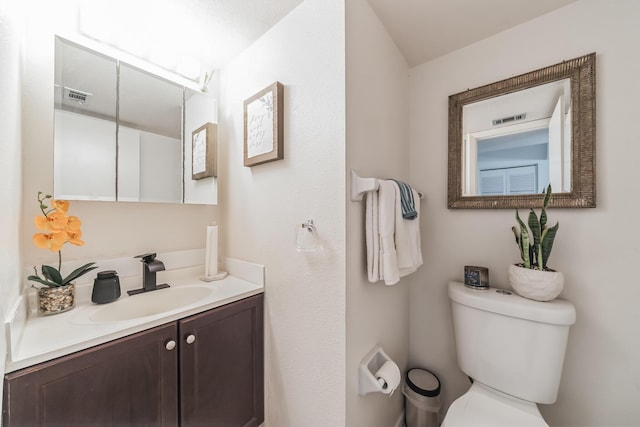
{"x": 378, "y": 146}
{"x": 10, "y": 167}
{"x": 10, "y": 157}
{"x": 595, "y": 248}
{"x": 263, "y": 205}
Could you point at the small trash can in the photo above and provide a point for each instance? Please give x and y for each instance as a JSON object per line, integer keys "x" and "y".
{"x": 421, "y": 389}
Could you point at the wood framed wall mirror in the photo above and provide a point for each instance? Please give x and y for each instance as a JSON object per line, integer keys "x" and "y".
{"x": 510, "y": 139}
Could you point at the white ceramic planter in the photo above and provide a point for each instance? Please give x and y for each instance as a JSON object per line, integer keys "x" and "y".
{"x": 536, "y": 284}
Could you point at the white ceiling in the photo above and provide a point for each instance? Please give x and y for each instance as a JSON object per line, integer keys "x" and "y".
{"x": 215, "y": 31}
{"x": 224, "y": 28}
{"x": 426, "y": 29}
{"x": 422, "y": 29}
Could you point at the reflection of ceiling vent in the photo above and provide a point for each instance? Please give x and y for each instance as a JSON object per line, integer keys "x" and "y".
{"x": 76, "y": 95}
{"x": 504, "y": 120}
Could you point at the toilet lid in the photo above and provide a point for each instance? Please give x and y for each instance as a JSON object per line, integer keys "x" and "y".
{"x": 483, "y": 408}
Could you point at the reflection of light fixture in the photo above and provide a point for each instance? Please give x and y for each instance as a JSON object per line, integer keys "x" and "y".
{"x": 133, "y": 45}
{"x": 164, "y": 57}
{"x": 189, "y": 67}
{"x": 150, "y": 43}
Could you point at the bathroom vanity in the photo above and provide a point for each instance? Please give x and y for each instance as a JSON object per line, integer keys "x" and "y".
{"x": 205, "y": 369}
{"x": 191, "y": 354}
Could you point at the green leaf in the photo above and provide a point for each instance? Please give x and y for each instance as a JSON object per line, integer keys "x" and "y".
{"x": 534, "y": 225}
{"x": 526, "y": 248}
{"x": 547, "y": 243}
{"x": 51, "y": 274}
{"x": 547, "y": 197}
{"x": 524, "y": 242}
{"x": 80, "y": 271}
{"x": 517, "y": 236}
{"x": 536, "y": 231}
{"x": 42, "y": 281}
{"x": 543, "y": 213}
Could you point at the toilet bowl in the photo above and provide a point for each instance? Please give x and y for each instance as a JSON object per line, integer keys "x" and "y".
{"x": 482, "y": 406}
{"x": 513, "y": 349}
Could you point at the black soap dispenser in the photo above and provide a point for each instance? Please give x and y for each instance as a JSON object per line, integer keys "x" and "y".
{"x": 106, "y": 287}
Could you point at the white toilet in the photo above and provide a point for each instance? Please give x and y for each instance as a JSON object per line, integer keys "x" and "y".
{"x": 513, "y": 349}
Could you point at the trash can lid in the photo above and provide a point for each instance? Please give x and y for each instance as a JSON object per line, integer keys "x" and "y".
{"x": 423, "y": 382}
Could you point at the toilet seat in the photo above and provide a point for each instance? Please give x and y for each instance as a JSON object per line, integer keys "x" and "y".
{"x": 482, "y": 406}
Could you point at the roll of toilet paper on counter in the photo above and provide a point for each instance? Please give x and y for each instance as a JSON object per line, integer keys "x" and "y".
{"x": 388, "y": 376}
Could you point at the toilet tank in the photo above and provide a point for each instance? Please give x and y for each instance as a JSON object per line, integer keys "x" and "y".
{"x": 510, "y": 343}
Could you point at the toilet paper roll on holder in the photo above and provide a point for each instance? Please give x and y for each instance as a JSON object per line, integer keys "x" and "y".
{"x": 371, "y": 364}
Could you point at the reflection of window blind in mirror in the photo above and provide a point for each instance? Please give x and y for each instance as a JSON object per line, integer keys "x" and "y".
{"x": 492, "y": 182}
{"x": 522, "y": 180}
{"x": 504, "y": 181}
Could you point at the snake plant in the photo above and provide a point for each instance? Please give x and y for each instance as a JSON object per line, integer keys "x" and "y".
{"x": 536, "y": 242}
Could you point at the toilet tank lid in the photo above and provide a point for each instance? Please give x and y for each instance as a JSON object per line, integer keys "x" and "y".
{"x": 558, "y": 312}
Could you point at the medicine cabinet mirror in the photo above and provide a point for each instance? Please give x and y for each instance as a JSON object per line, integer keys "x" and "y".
{"x": 510, "y": 139}
{"x": 123, "y": 133}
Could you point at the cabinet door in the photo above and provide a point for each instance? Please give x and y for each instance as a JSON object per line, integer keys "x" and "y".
{"x": 128, "y": 382}
{"x": 221, "y": 370}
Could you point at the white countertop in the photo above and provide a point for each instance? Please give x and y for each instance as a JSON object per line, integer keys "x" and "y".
{"x": 43, "y": 338}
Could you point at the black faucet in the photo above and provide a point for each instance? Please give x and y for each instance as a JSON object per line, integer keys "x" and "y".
{"x": 150, "y": 265}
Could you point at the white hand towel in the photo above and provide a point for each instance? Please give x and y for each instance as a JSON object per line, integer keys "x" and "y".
{"x": 393, "y": 243}
{"x": 372, "y": 236}
{"x": 388, "y": 205}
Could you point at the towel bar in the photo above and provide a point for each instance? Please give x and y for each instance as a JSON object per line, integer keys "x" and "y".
{"x": 360, "y": 185}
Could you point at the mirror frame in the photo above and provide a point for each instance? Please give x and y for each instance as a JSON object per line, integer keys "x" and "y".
{"x": 582, "y": 73}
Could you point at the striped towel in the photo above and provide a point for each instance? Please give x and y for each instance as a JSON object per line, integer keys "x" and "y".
{"x": 406, "y": 200}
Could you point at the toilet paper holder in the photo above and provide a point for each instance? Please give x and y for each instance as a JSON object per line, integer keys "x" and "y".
{"x": 370, "y": 364}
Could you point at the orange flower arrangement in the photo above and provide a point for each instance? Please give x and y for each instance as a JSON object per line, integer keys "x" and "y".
{"x": 59, "y": 228}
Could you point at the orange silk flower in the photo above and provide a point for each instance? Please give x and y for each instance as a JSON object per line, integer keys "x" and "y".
{"x": 54, "y": 221}
{"x": 74, "y": 237}
{"x": 52, "y": 241}
{"x": 73, "y": 224}
{"x": 60, "y": 205}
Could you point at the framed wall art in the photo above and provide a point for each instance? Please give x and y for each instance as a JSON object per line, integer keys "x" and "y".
{"x": 203, "y": 151}
{"x": 263, "y": 126}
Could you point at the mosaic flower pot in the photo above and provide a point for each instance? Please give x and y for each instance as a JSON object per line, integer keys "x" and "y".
{"x": 56, "y": 300}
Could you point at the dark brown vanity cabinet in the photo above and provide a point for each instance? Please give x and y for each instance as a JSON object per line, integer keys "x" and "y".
{"x": 204, "y": 370}
{"x": 130, "y": 381}
{"x": 221, "y": 366}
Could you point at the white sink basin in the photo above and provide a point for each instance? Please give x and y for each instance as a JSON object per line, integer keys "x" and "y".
{"x": 149, "y": 303}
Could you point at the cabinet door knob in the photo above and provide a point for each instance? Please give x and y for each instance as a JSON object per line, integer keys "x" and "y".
{"x": 191, "y": 339}
{"x": 170, "y": 345}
